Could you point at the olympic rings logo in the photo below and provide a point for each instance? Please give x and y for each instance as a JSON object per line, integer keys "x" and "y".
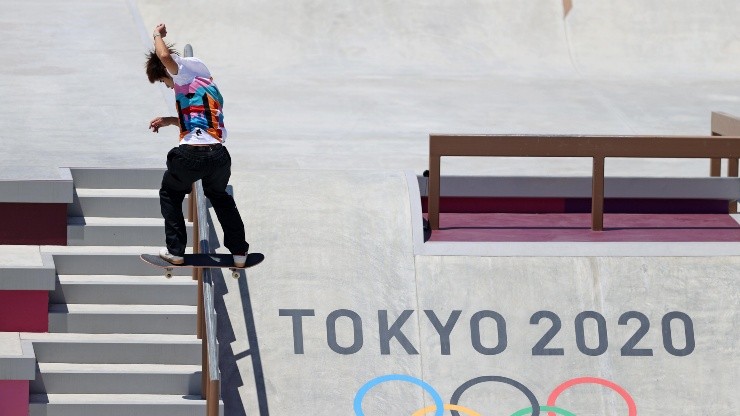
{"x": 534, "y": 410}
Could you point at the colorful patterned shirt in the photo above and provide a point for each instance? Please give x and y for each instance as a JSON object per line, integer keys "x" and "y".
{"x": 199, "y": 103}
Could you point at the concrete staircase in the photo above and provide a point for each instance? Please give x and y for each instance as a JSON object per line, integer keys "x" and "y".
{"x": 121, "y": 337}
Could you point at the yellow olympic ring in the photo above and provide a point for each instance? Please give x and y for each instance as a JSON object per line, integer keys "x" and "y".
{"x": 429, "y": 409}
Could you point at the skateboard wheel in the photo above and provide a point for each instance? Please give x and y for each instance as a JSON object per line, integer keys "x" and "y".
{"x": 168, "y": 274}
{"x": 235, "y": 275}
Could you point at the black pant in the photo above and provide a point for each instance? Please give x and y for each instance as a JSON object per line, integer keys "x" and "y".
{"x": 186, "y": 165}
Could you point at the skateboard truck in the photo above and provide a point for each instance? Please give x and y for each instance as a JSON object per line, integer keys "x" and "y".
{"x": 168, "y": 272}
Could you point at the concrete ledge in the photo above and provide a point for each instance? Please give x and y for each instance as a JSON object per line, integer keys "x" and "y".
{"x": 31, "y": 277}
{"x": 580, "y": 187}
{"x": 17, "y": 358}
{"x": 31, "y": 185}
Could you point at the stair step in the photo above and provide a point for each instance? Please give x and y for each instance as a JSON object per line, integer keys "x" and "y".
{"x": 115, "y": 348}
{"x": 122, "y": 319}
{"x": 102, "y": 231}
{"x": 117, "y": 203}
{"x": 107, "y": 260}
{"x": 67, "y": 378}
{"x": 125, "y": 290}
{"x": 121, "y": 193}
{"x": 117, "y": 178}
{"x": 117, "y": 405}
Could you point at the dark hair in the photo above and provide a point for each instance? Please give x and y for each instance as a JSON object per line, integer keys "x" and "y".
{"x": 154, "y": 67}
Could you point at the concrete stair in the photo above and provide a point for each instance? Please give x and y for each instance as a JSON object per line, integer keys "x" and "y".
{"x": 121, "y": 336}
{"x": 100, "y": 231}
{"x": 65, "y": 378}
{"x": 125, "y": 290}
{"x": 107, "y": 260}
{"x": 116, "y": 203}
{"x": 116, "y": 348}
{"x": 116, "y": 405}
{"x": 122, "y": 319}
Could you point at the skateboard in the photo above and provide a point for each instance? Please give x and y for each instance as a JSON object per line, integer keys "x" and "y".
{"x": 206, "y": 261}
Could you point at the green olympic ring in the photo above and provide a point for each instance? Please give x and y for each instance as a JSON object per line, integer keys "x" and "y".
{"x": 557, "y": 410}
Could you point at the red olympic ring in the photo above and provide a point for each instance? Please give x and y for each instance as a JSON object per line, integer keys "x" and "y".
{"x": 631, "y": 406}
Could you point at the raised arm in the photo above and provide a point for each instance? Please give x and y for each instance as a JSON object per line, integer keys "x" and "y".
{"x": 163, "y": 52}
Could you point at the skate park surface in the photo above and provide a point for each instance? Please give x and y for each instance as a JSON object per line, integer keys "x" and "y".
{"x": 329, "y": 106}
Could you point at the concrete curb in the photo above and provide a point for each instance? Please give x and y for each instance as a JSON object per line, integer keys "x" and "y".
{"x": 22, "y": 364}
{"x": 39, "y": 187}
{"x": 30, "y": 278}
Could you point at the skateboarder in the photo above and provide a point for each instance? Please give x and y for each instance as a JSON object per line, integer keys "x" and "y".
{"x": 201, "y": 153}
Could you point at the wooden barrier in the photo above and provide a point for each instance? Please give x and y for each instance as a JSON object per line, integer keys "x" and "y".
{"x": 598, "y": 148}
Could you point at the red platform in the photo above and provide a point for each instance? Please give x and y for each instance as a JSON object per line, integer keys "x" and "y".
{"x": 498, "y": 227}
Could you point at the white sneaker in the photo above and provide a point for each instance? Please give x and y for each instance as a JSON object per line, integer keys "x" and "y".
{"x": 240, "y": 261}
{"x": 165, "y": 254}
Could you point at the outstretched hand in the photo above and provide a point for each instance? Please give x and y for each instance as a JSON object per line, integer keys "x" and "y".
{"x": 158, "y": 122}
{"x": 161, "y": 29}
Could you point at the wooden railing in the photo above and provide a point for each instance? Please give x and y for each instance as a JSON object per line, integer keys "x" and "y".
{"x": 598, "y": 148}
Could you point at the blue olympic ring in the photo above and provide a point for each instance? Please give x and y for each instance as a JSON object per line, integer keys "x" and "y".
{"x": 439, "y": 411}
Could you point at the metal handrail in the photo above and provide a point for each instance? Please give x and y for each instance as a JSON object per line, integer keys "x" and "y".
{"x": 596, "y": 147}
{"x": 210, "y": 374}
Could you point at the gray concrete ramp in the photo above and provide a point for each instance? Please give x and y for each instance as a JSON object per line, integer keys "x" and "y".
{"x": 342, "y": 301}
{"x": 337, "y": 85}
{"x": 636, "y": 39}
{"x": 327, "y": 38}
{"x": 76, "y": 92}
{"x": 337, "y": 241}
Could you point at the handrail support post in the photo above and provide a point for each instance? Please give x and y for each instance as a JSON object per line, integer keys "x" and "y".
{"x": 597, "y": 194}
{"x": 213, "y": 398}
{"x": 204, "y": 378}
{"x": 434, "y": 190}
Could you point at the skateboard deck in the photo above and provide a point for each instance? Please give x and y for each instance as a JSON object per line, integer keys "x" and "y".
{"x": 206, "y": 261}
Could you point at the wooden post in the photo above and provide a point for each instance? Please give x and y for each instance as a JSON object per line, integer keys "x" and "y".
{"x": 732, "y": 168}
{"x": 434, "y": 190}
{"x": 214, "y": 397}
{"x": 196, "y": 238}
{"x": 197, "y": 272}
{"x": 201, "y": 318}
{"x": 191, "y": 199}
{"x": 732, "y": 172}
{"x": 204, "y": 376}
{"x": 597, "y": 194}
{"x": 715, "y": 165}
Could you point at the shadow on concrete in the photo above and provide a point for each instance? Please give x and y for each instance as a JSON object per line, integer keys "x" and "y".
{"x": 231, "y": 379}
{"x": 427, "y": 230}
{"x": 253, "y": 352}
